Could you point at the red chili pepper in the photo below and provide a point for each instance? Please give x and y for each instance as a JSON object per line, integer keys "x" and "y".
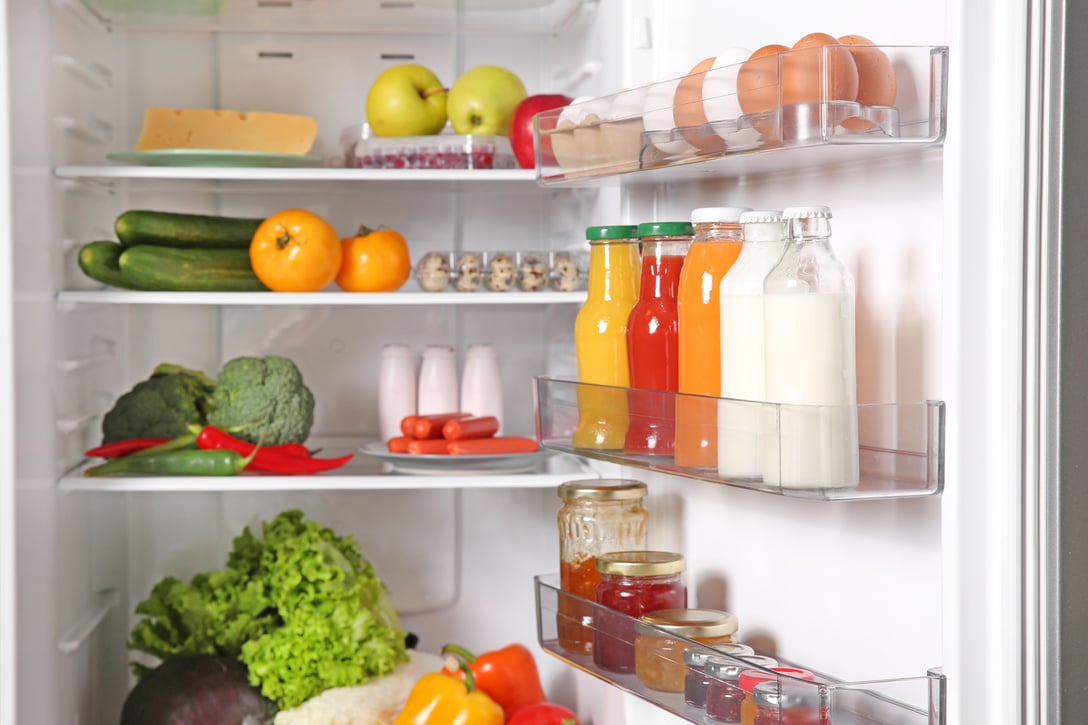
{"x": 117, "y": 449}
{"x": 509, "y": 675}
{"x": 292, "y": 449}
{"x": 268, "y": 459}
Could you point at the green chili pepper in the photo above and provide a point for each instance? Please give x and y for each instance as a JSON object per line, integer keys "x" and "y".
{"x": 182, "y": 442}
{"x": 175, "y": 463}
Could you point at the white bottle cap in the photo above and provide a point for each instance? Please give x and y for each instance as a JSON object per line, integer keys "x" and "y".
{"x": 807, "y": 212}
{"x": 760, "y": 217}
{"x": 717, "y": 214}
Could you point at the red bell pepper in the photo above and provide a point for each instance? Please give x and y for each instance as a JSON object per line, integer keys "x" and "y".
{"x": 509, "y": 675}
{"x": 544, "y": 713}
{"x": 269, "y": 459}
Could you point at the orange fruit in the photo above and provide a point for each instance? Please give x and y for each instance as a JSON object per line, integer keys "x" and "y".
{"x": 295, "y": 250}
{"x": 374, "y": 261}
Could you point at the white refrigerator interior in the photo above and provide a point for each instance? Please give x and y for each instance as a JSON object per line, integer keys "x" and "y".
{"x": 861, "y": 590}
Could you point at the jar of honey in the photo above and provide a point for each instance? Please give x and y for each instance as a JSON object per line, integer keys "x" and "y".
{"x": 662, "y": 636}
{"x": 696, "y": 680}
{"x": 723, "y": 694}
{"x": 779, "y": 705}
{"x": 597, "y": 516}
{"x": 633, "y": 583}
{"x": 749, "y": 679}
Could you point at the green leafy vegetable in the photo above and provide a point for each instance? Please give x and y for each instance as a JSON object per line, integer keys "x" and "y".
{"x": 300, "y": 607}
{"x": 263, "y": 396}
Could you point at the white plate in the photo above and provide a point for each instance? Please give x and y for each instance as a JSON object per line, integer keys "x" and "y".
{"x": 210, "y": 157}
{"x": 445, "y": 465}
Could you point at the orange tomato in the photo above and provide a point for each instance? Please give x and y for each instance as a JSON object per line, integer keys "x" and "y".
{"x": 295, "y": 250}
{"x": 374, "y": 261}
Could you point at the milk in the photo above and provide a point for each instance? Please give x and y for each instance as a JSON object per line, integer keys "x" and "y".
{"x": 740, "y": 412}
{"x": 812, "y": 439}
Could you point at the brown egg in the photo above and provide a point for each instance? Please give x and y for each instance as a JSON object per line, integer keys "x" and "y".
{"x": 757, "y": 80}
{"x": 803, "y": 71}
{"x": 688, "y": 112}
{"x": 876, "y": 78}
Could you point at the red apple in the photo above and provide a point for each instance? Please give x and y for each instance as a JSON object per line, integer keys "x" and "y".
{"x": 521, "y": 125}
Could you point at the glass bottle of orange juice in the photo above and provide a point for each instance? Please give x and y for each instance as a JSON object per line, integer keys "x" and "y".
{"x": 716, "y": 246}
{"x": 600, "y": 336}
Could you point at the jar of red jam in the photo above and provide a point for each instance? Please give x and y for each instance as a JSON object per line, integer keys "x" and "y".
{"x": 597, "y": 516}
{"x": 662, "y": 636}
{"x": 749, "y": 679}
{"x": 777, "y": 703}
{"x": 633, "y": 583}
{"x": 723, "y": 694}
{"x": 696, "y": 679}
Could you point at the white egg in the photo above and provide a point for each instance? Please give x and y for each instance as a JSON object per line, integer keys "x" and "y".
{"x": 657, "y": 114}
{"x": 574, "y": 112}
{"x": 720, "y": 85}
{"x": 628, "y": 103}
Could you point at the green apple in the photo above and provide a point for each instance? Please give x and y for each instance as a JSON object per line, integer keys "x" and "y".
{"x": 406, "y": 100}
{"x": 483, "y": 99}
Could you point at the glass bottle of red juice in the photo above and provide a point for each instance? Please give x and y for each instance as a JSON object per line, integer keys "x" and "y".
{"x": 652, "y": 339}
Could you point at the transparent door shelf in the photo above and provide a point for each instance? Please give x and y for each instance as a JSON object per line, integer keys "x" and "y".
{"x": 896, "y": 701}
{"x": 779, "y": 112}
{"x": 829, "y": 453}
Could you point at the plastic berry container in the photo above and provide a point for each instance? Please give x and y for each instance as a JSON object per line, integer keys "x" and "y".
{"x": 362, "y": 150}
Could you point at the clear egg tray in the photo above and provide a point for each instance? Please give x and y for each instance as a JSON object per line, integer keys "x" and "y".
{"x": 779, "y": 103}
{"x": 524, "y": 271}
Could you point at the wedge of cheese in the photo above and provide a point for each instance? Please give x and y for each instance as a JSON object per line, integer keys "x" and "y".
{"x": 183, "y": 128}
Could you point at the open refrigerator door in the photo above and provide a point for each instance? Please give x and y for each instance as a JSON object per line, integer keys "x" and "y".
{"x": 866, "y": 585}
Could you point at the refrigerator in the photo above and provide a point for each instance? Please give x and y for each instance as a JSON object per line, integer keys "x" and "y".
{"x": 950, "y": 595}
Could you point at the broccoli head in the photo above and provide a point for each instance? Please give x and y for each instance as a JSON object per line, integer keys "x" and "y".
{"x": 163, "y": 406}
{"x": 263, "y": 396}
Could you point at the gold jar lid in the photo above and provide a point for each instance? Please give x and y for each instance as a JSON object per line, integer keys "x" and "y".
{"x": 640, "y": 563}
{"x": 691, "y": 623}
{"x": 602, "y": 489}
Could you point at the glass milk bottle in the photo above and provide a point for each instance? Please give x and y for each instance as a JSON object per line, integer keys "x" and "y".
{"x": 600, "y": 337}
{"x": 481, "y": 383}
{"x": 810, "y": 360}
{"x": 652, "y": 339}
{"x": 396, "y": 389}
{"x": 716, "y": 245}
{"x": 740, "y": 415}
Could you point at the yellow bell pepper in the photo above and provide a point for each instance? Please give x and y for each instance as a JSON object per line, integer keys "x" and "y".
{"x": 437, "y": 699}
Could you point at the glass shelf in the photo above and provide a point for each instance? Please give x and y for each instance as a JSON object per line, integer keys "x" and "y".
{"x": 331, "y": 176}
{"x": 828, "y": 453}
{"x": 535, "y": 17}
{"x": 897, "y": 701}
{"x": 363, "y": 473}
{"x": 778, "y": 113}
{"x": 332, "y": 297}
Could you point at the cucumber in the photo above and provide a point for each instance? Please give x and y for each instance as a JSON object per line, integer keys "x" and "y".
{"x": 100, "y": 261}
{"x": 184, "y": 231}
{"x": 166, "y": 269}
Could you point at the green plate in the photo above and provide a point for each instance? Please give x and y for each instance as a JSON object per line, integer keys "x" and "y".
{"x": 210, "y": 157}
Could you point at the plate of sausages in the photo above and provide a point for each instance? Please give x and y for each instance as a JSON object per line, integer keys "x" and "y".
{"x": 455, "y": 443}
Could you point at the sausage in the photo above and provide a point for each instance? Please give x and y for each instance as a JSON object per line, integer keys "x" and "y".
{"x": 461, "y": 428}
{"x": 493, "y": 446}
{"x": 428, "y": 446}
{"x": 398, "y": 444}
{"x": 408, "y": 425}
{"x": 430, "y": 426}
